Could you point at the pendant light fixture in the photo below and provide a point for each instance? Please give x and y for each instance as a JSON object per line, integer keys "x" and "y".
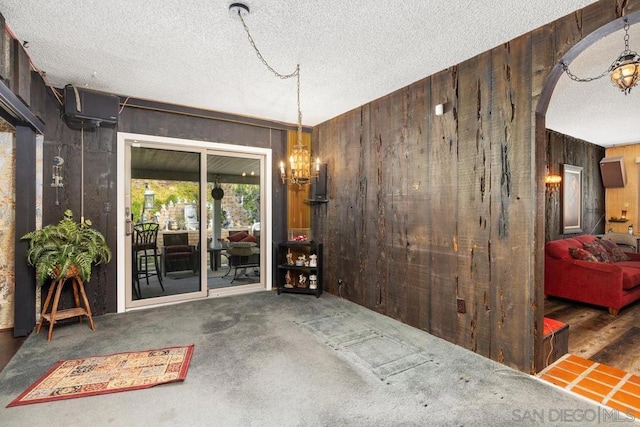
{"x": 624, "y": 71}
{"x": 300, "y": 169}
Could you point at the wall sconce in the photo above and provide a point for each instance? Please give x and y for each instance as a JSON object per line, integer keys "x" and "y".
{"x": 56, "y": 175}
{"x": 439, "y": 109}
{"x": 551, "y": 180}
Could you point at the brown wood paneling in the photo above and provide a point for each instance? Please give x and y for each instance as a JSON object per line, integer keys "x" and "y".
{"x": 562, "y": 149}
{"x": 474, "y": 208}
{"x": 555, "y": 159}
{"x": 25, "y": 220}
{"x": 484, "y": 145}
{"x": 6, "y": 45}
{"x": 404, "y": 193}
{"x": 416, "y": 305}
{"x": 38, "y": 94}
{"x": 21, "y": 81}
{"x": 539, "y": 231}
{"x": 566, "y": 33}
{"x": 623, "y": 8}
{"x": 595, "y": 14}
{"x": 542, "y": 63}
{"x": 378, "y": 222}
{"x": 183, "y": 110}
{"x": 440, "y": 214}
{"x": 511, "y": 195}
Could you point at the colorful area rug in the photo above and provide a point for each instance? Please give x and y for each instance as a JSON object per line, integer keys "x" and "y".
{"x": 91, "y": 376}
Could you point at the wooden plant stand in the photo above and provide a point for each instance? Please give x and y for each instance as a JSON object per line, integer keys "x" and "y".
{"x": 55, "y": 314}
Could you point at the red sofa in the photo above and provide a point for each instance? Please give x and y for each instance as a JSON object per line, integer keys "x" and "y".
{"x": 612, "y": 285}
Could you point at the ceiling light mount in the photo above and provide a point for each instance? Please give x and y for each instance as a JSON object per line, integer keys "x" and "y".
{"x": 238, "y": 9}
{"x": 624, "y": 71}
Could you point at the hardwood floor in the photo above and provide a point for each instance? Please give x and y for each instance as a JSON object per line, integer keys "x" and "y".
{"x": 8, "y": 346}
{"x": 596, "y": 335}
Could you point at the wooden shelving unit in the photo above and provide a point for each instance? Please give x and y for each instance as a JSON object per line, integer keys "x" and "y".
{"x": 296, "y": 278}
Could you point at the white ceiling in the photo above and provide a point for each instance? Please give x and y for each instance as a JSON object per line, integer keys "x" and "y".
{"x": 194, "y": 53}
{"x": 597, "y": 111}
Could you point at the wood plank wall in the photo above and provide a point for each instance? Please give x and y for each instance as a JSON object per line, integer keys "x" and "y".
{"x": 626, "y": 197}
{"x": 426, "y": 209}
{"x": 563, "y": 149}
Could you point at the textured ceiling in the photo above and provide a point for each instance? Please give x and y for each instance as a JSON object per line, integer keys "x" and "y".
{"x": 194, "y": 53}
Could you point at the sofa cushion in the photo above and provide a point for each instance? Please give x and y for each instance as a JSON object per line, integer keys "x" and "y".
{"x": 628, "y": 264}
{"x": 598, "y": 251}
{"x": 177, "y": 249}
{"x": 615, "y": 252}
{"x": 582, "y": 254}
{"x": 559, "y": 249}
{"x": 249, "y": 238}
{"x": 630, "y": 278}
{"x": 236, "y": 237}
{"x": 242, "y": 244}
{"x": 242, "y": 249}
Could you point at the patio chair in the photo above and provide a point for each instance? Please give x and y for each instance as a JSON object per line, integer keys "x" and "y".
{"x": 145, "y": 246}
{"x": 177, "y": 254}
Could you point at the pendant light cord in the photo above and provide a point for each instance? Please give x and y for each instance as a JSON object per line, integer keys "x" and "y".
{"x": 295, "y": 74}
{"x": 264, "y": 61}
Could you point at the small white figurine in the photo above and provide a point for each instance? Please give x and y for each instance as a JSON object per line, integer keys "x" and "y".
{"x": 313, "y": 260}
{"x": 287, "y": 280}
{"x": 302, "y": 281}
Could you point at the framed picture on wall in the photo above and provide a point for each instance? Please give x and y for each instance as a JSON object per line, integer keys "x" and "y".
{"x": 571, "y": 199}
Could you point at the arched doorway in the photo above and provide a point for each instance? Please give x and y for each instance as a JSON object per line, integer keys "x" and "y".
{"x": 543, "y": 105}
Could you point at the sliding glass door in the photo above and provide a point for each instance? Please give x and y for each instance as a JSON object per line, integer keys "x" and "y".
{"x": 192, "y": 220}
{"x": 234, "y": 247}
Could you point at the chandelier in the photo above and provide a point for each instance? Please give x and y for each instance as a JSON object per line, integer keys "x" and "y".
{"x": 299, "y": 165}
{"x": 300, "y": 170}
{"x": 624, "y": 71}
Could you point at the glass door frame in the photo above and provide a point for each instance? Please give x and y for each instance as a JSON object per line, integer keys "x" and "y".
{"x": 124, "y": 141}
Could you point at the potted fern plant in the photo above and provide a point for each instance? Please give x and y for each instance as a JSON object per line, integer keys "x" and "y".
{"x": 66, "y": 249}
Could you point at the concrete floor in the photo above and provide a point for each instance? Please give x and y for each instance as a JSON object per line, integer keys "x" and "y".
{"x": 266, "y": 360}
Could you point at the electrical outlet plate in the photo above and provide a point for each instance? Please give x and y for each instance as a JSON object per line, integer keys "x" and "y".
{"x": 461, "y": 306}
